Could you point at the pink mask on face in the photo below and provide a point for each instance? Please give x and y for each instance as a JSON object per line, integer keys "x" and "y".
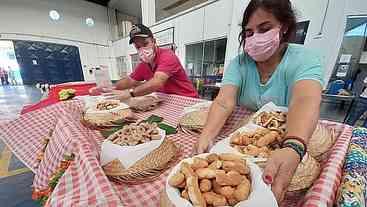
{"x": 262, "y": 46}
{"x": 146, "y": 54}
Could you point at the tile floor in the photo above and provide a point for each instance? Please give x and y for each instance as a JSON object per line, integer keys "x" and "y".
{"x": 15, "y": 178}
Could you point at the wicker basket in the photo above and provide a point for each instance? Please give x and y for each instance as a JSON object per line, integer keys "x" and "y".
{"x": 107, "y": 120}
{"x": 146, "y": 169}
{"x": 321, "y": 141}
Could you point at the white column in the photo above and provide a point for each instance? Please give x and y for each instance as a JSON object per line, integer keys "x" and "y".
{"x": 148, "y": 12}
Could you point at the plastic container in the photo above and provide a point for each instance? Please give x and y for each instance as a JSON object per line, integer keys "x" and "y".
{"x": 103, "y": 79}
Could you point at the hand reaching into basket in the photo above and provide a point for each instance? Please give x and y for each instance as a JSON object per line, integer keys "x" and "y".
{"x": 279, "y": 171}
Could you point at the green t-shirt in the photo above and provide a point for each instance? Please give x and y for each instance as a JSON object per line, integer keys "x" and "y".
{"x": 297, "y": 64}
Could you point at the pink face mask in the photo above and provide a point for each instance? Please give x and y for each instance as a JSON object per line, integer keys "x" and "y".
{"x": 262, "y": 46}
{"x": 146, "y": 54}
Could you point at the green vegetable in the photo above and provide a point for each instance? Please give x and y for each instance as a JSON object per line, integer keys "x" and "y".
{"x": 169, "y": 129}
{"x": 106, "y": 133}
{"x": 154, "y": 119}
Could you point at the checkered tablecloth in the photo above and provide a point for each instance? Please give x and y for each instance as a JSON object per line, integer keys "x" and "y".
{"x": 85, "y": 184}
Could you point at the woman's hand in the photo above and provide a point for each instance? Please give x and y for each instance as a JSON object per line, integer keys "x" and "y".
{"x": 279, "y": 171}
{"x": 202, "y": 145}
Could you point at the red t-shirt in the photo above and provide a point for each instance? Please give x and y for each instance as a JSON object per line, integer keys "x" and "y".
{"x": 167, "y": 62}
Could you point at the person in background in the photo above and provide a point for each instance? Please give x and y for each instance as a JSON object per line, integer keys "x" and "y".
{"x": 160, "y": 70}
{"x": 12, "y": 78}
{"x": 6, "y": 77}
{"x": 2, "y": 76}
{"x": 271, "y": 69}
{"x": 359, "y": 108}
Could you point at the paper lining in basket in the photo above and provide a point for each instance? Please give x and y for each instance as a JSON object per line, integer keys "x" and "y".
{"x": 261, "y": 194}
{"x": 144, "y": 103}
{"x": 129, "y": 155}
{"x": 145, "y": 169}
{"x": 194, "y": 117}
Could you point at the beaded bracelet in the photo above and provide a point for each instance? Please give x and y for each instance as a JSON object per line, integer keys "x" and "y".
{"x": 296, "y": 147}
{"x": 293, "y": 139}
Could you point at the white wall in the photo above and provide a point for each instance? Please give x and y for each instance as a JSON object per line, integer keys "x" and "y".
{"x": 222, "y": 18}
{"x": 29, "y": 20}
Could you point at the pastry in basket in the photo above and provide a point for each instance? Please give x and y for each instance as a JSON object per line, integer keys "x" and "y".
{"x": 135, "y": 133}
{"x": 107, "y": 105}
{"x": 144, "y": 103}
{"x": 272, "y": 120}
{"x": 216, "y": 180}
{"x": 306, "y": 173}
{"x": 257, "y": 144}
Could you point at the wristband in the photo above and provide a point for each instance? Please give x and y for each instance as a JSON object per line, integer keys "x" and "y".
{"x": 296, "y": 147}
{"x": 294, "y": 139}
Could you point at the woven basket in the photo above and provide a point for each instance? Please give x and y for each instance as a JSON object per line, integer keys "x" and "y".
{"x": 306, "y": 173}
{"x": 146, "y": 169}
{"x": 144, "y": 103}
{"x": 321, "y": 141}
{"x": 108, "y": 120}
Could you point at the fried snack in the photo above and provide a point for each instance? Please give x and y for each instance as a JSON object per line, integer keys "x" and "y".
{"x": 207, "y": 173}
{"x": 220, "y": 183}
{"x": 267, "y": 139}
{"x": 227, "y": 191}
{"x": 212, "y": 157}
{"x": 176, "y": 179}
{"x": 205, "y": 185}
{"x": 182, "y": 185}
{"x": 187, "y": 170}
{"x": 216, "y": 165}
{"x": 134, "y": 134}
{"x": 199, "y": 163}
{"x": 242, "y": 190}
{"x": 195, "y": 195}
{"x": 214, "y": 199}
{"x": 229, "y": 157}
{"x": 239, "y": 166}
{"x": 185, "y": 195}
{"x": 107, "y": 105}
{"x": 232, "y": 178}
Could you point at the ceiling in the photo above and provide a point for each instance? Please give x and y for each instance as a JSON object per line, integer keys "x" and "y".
{"x": 129, "y": 7}
{"x": 100, "y": 2}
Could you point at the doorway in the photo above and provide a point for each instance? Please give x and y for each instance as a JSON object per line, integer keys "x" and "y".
{"x": 9, "y": 67}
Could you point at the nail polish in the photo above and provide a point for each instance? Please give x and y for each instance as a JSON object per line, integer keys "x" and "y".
{"x": 268, "y": 179}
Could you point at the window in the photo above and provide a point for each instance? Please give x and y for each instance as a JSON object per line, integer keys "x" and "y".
{"x": 124, "y": 24}
{"x": 206, "y": 59}
{"x": 167, "y": 8}
{"x": 135, "y": 60}
{"x": 122, "y": 66}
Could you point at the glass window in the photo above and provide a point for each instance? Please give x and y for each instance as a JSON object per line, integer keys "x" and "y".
{"x": 135, "y": 60}
{"x": 206, "y": 59}
{"x": 167, "y": 8}
{"x": 121, "y": 66}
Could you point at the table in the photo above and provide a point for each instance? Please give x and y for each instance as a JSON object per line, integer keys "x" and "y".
{"x": 84, "y": 182}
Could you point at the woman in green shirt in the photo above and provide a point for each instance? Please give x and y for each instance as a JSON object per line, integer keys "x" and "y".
{"x": 270, "y": 69}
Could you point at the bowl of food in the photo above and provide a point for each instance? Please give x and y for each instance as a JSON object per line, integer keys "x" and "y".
{"x": 218, "y": 180}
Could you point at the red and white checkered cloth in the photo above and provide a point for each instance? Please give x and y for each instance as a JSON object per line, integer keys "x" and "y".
{"x": 85, "y": 184}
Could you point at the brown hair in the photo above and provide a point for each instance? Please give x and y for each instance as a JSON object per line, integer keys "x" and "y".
{"x": 282, "y": 11}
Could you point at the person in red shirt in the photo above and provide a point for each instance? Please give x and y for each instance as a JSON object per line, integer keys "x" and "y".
{"x": 160, "y": 70}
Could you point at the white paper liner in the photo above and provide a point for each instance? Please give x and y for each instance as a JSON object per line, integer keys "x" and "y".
{"x": 224, "y": 146}
{"x": 261, "y": 194}
{"x": 197, "y": 107}
{"x": 128, "y": 155}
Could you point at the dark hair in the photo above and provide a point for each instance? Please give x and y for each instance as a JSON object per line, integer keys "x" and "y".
{"x": 282, "y": 11}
